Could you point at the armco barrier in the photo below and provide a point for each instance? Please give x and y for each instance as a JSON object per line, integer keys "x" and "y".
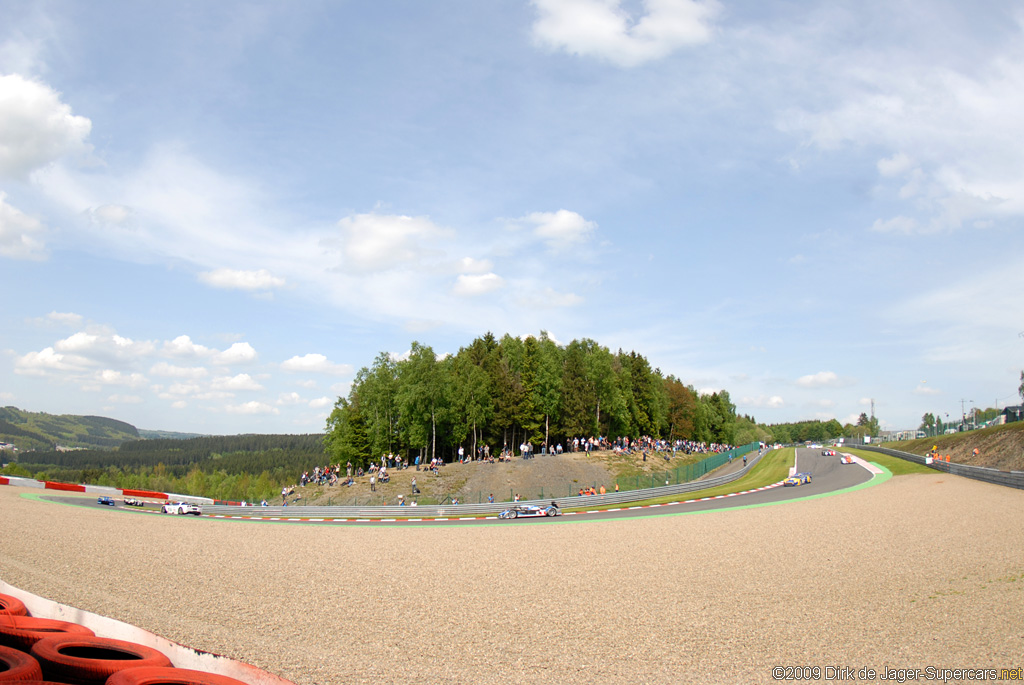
{"x": 457, "y": 511}
{"x": 1013, "y": 479}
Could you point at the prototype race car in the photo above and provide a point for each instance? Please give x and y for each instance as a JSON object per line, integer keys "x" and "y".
{"x": 181, "y": 508}
{"x": 133, "y": 502}
{"x": 530, "y": 511}
{"x": 797, "y": 479}
{"x": 828, "y": 452}
{"x": 846, "y": 459}
{"x": 106, "y": 500}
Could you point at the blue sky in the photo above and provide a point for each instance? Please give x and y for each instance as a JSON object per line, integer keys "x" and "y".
{"x": 212, "y": 214}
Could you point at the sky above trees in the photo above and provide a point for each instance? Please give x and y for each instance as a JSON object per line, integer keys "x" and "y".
{"x": 213, "y": 214}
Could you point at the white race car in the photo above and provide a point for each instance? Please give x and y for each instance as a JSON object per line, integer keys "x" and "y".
{"x": 530, "y": 511}
{"x": 181, "y": 508}
{"x": 846, "y": 459}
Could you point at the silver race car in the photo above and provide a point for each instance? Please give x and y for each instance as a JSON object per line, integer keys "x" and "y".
{"x": 530, "y": 511}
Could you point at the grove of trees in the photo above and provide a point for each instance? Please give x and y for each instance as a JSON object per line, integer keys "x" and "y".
{"x": 504, "y": 392}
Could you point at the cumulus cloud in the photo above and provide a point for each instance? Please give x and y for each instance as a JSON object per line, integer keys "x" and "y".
{"x": 773, "y": 402}
{"x": 19, "y": 233}
{"x": 173, "y": 371}
{"x": 468, "y": 265}
{"x": 38, "y": 128}
{"x": 241, "y": 280}
{"x": 112, "y": 377}
{"x": 242, "y": 381}
{"x": 287, "y": 398}
{"x": 238, "y": 353}
{"x": 606, "y": 30}
{"x": 182, "y": 346}
{"x": 822, "y": 379}
{"x": 378, "y": 242}
{"x": 320, "y": 402}
{"x": 315, "y": 363}
{"x": 560, "y": 229}
{"x": 252, "y": 407}
{"x": 477, "y": 284}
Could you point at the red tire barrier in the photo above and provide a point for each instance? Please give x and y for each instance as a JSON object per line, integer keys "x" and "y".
{"x": 67, "y": 487}
{"x": 21, "y": 632}
{"x": 12, "y": 606}
{"x": 84, "y": 660}
{"x": 169, "y": 676}
{"x": 16, "y": 666}
{"x": 144, "y": 493}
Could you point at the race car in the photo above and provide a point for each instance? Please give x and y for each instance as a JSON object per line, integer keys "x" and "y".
{"x": 846, "y": 459}
{"x": 797, "y": 479}
{"x": 828, "y": 452}
{"x": 181, "y": 508}
{"x": 133, "y": 502}
{"x": 109, "y": 501}
{"x": 530, "y": 511}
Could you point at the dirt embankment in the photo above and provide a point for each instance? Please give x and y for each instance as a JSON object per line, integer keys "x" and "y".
{"x": 1000, "y": 447}
{"x": 546, "y": 475}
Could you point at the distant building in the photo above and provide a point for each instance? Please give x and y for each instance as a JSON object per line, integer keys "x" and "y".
{"x": 1014, "y": 413}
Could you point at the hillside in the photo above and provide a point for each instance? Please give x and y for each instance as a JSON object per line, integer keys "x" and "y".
{"x": 40, "y": 431}
{"x": 544, "y": 476}
{"x": 999, "y": 447}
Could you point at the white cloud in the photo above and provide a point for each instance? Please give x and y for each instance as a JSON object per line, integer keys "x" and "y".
{"x": 470, "y": 285}
{"x": 242, "y": 381}
{"x": 321, "y": 402}
{"x": 110, "y": 215}
{"x": 955, "y": 134}
{"x": 378, "y": 242}
{"x": 65, "y": 318}
{"x": 112, "y": 377}
{"x": 822, "y": 379}
{"x": 179, "y": 404}
{"x": 253, "y": 407}
{"x": 315, "y": 363}
{"x": 241, "y": 280}
{"x": 172, "y": 371}
{"x": 468, "y": 265}
{"x": 238, "y": 353}
{"x": 19, "y": 232}
{"x": 287, "y": 398}
{"x": 560, "y": 229}
{"x": 125, "y": 399}
{"x": 896, "y": 165}
{"x": 773, "y": 402}
{"x": 182, "y": 346}
{"x": 550, "y": 298}
{"x": 38, "y": 128}
{"x": 926, "y": 390}
{"x": 606, "y": 30}
{"x": 44, "y": 362}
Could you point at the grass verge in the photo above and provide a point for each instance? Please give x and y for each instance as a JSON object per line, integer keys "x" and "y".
{"x": 899, "y": 467}
{"x": 772, "y": 467}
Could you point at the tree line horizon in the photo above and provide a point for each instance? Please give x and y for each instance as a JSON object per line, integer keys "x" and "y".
{"x": 502, "y": 392}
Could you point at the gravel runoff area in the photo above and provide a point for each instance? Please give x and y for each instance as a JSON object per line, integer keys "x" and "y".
{"x": 921, "y": 571}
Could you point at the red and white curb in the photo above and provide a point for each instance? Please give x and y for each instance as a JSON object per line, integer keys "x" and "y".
{"x": 483, "y": 518}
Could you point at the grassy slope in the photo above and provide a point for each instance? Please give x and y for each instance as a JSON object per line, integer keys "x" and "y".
{"x": 1000, "y": 447}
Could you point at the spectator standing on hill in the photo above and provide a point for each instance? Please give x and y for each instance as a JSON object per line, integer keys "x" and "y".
{"x": 373, "y": 481}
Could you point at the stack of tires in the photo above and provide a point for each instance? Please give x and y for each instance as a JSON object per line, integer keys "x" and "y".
{"x": 45, "y": 650}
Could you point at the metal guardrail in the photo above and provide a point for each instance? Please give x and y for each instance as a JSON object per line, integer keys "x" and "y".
{"x": 1012, "y": 479}
{"x": 474, "y": 510}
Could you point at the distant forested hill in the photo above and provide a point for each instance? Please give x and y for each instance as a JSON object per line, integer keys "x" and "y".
{"x": 232, "y": 454}
{"x": 40, "y": 431}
